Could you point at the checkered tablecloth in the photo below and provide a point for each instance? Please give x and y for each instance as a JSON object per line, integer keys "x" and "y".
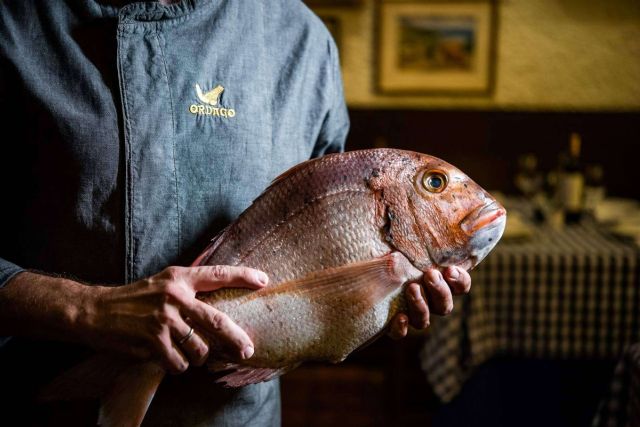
{"x": 621, "y": 405}
{"x": 562, "y": 294}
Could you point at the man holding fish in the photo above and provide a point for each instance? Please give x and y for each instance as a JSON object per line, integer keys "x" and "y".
{"x": 112, "y": 176}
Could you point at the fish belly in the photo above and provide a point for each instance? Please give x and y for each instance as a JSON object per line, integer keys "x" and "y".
{"x": 289, "y": 328}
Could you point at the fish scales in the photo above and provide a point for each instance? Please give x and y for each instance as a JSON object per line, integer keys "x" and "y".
{"x": 313, "y": 184}
{"x": 318, "y": 218}
{"x": 322, "y": 214}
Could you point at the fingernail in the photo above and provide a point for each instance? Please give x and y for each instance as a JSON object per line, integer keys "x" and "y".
{"x": 448, "y": 309}
{"x": 247, "y": 352}
{"x": 454, "y": 273}
{"x": 433, "y": 276}
{"x": 262, "y": 277}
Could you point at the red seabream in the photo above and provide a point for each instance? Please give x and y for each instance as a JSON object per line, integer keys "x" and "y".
{"x": 340, "y": 237}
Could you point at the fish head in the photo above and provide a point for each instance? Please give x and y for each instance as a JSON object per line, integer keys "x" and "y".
{"x": 439, "y": 216}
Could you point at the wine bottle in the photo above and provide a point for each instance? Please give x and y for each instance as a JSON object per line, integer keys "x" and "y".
{"x": 594, "y": 190}
{"x": 571, "y": 182}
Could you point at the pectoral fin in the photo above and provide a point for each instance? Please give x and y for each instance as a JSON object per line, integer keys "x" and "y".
{"x": 369, "y": 281}
{"x": 343, "y": 292}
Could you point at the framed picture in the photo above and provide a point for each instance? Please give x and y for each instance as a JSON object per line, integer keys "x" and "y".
{"x": 436, "y": 47}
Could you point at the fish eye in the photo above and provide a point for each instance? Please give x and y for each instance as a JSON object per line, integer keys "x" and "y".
{"x": 434, "y": 181}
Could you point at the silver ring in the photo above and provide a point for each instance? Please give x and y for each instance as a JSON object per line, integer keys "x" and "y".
{"x": 186, "y": 337}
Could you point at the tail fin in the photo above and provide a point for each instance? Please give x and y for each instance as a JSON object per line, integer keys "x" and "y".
{"x": 125, "y": 389}
{"x": 127, "y": 401}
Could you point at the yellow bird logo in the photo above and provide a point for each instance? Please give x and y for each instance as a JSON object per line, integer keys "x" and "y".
{"x": 212, "y": 97}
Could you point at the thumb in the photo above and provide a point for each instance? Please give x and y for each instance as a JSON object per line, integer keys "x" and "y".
{"x": 212, "y": 277}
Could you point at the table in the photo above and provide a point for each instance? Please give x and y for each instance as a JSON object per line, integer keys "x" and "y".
{"x": 621, "y": 405}
{"x": 570, "y": 293}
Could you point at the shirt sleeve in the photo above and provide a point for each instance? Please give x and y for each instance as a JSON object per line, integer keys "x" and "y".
{"x": 7, "y": 271}
{"x": 335, "y": 126}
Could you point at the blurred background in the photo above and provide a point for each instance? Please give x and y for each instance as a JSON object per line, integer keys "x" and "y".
{"x": 539, "y": 102}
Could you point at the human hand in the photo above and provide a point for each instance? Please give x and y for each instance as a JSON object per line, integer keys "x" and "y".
{"x": 440, "y": 288}
{"x": 152, "y": 318}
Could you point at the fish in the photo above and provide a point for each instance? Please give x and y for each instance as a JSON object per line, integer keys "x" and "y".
{"x": 340, "y": 237}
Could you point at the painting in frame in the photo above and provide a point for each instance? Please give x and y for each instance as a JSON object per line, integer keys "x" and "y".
{"x": 436, "y": 47}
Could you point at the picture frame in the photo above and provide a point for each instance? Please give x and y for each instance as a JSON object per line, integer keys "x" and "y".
{"x": 436, "y": 47}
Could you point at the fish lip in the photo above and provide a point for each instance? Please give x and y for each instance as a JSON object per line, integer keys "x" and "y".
{"x": 482, "y": 217}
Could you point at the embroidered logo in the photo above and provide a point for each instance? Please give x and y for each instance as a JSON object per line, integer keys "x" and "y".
{"x": 211, "y": 99}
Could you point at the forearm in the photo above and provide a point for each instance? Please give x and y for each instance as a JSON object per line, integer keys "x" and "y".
{"x": 40, "y": 306}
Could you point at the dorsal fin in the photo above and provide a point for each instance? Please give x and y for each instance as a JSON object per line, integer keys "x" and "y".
{"x": 295, "y": 169}
{"x": 284, "y": 175}
{"x": 206, "y": 254}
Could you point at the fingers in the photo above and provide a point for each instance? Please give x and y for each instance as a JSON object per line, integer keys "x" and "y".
{"x": 212, "y": 277}
{"x": 438, "y": 292}
{"x": 177, "y": 287}
{"x": 217, "y": 326}
{"x": 458, "y": 279}
{"x": 399, "y": 326}
{"x": 171, "y": 357}
{"x": 418, "y": 308}
{"x": 193, "y": 346}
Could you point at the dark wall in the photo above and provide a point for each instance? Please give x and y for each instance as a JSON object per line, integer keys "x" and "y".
{"x": 486, "y": 144}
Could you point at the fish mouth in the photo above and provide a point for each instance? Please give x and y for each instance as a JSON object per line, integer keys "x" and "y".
{"x": 485, "y": 226}
{"x": 487, "y": 215}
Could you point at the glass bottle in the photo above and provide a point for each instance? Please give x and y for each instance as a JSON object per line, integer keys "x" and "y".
{"x": 594, "y": 190}
{"x": 570, "y": 189}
